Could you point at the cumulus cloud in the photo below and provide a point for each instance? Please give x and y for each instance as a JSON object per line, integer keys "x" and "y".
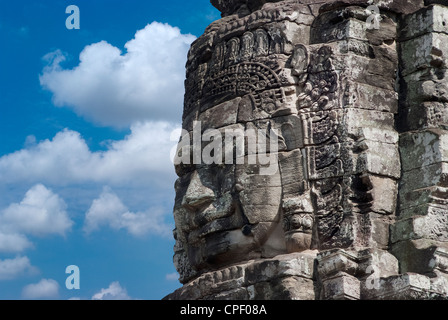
{"x": 113, "y": 88}
{"x": 40, "y": 213}
{"x": 13, "y": 242}
{"x": 108, "y": 210}
{"x": 140, "y": 158}
{"x": 140, "y": 162}
{"x": 113, "y": 292}
{"x": 14, "y": 268}
{"x": 44, "y": 289}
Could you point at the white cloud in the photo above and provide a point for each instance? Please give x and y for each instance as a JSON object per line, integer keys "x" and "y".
{"x": 141, "y": 158}
{"x": 13, "y": 242}
{"x": 108, "y": 210}
{"x": 14, "y": 268}
{"x": 40, "y": 213}
{"x": 44, "y": 289}
{"x": 172, "y": 276}
{"x": 140, "y": 163}
{"x": 115, "y": 89}
{"x": 114, "y": 292}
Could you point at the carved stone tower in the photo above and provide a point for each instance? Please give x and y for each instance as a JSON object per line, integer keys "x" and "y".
{"x": 357, "y": 204}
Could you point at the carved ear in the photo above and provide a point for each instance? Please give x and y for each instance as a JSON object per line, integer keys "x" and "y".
{"x": 299, "y": 62}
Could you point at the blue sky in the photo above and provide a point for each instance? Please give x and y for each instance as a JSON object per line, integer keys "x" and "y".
{"x": 85, "y": 126}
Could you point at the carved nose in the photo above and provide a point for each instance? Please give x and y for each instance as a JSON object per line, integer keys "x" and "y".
{"x": 197, "y": 194}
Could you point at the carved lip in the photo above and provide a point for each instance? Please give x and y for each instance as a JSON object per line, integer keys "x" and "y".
{"x": 214, "y": 221}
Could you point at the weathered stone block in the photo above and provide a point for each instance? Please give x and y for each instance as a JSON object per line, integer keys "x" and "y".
{"x": 380, "y": 235}
{"x": 416, "y": 202}
{"x": 292, "y": 173}
{"x": 397, "y": 6}
{"x": 439, "y": 284}
{"x": 329, "y": 27}
{"x": 291, "y": 32}
{"x": 401, "y": 287}
{"x": 377, "y": 134}
{"x": 350, "y": 23}
{"x": 379, "y": 158}
{"x": 331, "y": 262}
{"x": 365, "y": 96}
{"x": 419, "y": 178}
{"x": 378, "y": 70}
{"x": 427, "y": 20}
{"x": 421, "y": 256}
{"x": 354, "y": 46}
{"x": 383, "y": 193}
{"x": 357, "y": 121}
{"x": 433, "y": 225}
{"x": 341, "y": 287}
{"x": 300, "y": 265}
{"x": 288, "y": 288}
{"x": 424, "y": 90}
{"x": 425, "y": 148}
{"x": 381, "y": 261}
{"x": 222, "y": 115}
{"x": 427, "y": 115}
{"x": 426, "y": 51}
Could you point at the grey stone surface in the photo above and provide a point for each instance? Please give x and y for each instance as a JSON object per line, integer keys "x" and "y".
{"x": 356, "y": 206}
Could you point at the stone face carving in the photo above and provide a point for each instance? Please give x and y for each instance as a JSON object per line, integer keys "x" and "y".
{"x": 355, "y": 202}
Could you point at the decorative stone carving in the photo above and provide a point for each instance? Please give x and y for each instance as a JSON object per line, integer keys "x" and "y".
{"x": 355, "y": 202}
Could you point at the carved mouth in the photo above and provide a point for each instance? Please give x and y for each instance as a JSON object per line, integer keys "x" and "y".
{"x": 212, "y": 220}
{"x": 215, "y": 226}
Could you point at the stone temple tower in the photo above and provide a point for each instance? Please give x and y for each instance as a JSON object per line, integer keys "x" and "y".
{"x": 355, "y": 202}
